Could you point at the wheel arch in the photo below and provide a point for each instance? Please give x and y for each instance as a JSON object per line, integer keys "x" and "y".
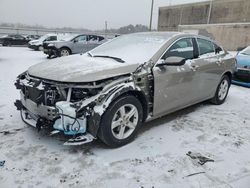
{"x": 229, "y": 74}
{"x": 141, "y": 97}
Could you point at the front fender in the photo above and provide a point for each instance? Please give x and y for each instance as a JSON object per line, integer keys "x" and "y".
{"x": 97, "y": 107}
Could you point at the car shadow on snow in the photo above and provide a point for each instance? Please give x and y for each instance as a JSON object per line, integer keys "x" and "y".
{"x": 58, "y": 140}
{"x": 172, "y": 116}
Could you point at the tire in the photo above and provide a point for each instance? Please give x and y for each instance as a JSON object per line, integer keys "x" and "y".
{"x": 222, "y": 91}
{"x": 64, "y": 52}
{"x": 116, "y": 131}
{"x": 7, "y": 43}
{"x": 40, "y": 48}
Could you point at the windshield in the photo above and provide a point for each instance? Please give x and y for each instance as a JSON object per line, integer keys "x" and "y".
{"x": 132, "y": 48}
{"x": 42, "y": 38}
{"x": 246, "y": 51}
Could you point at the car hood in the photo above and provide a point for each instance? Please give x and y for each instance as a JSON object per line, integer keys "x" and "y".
{"x": 243, "y": 60}
{"x": 34, "y": 41}
{"x": 80, "y": 68}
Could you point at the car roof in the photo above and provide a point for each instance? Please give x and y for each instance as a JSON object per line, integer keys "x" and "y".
{"x": 170, "y": 34}
{"x": 157, "y": 34}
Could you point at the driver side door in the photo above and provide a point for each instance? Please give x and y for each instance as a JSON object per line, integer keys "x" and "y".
{"x": 174, "y": 86}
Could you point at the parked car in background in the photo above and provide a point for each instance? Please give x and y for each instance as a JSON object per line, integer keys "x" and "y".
{"x": 72, "y": 45}
{"x": 242, "y": 72}
{"x": 38, "y": 44}
{"x": 108, "y": 92}
{"x": 13, "y": 39}
{"x": 32, "y": 37}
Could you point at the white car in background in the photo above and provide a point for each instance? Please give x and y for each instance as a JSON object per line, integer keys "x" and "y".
{"x": 38, "y": 44}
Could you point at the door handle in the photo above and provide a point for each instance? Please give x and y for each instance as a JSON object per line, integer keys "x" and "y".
{"x": 194, "y": 67}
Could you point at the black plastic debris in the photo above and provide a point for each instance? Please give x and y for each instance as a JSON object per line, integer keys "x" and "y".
{"x": 201, "y": 159}
{"x": 2, "y": 163}
{"x": 195, "y": 174}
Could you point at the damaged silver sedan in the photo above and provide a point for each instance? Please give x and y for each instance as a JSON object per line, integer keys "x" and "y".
{"x": 110, "y": 91}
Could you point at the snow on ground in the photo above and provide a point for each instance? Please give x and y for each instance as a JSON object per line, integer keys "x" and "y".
{"x": 157, "y": 158}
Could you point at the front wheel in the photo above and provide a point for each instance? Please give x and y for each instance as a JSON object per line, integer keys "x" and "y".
{"x": 64, "y": 52}
{"x": 222, "y": 91}
{"x": 121, "y": 121}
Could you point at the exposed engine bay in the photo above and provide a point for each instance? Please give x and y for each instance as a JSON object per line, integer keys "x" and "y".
{"x": 72, "y": 109}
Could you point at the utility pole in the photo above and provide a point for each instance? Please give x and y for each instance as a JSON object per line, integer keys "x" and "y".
{"x": 151, "y": 15}
{"x": 106, "y": 28}
{"x": 209, "y": 13}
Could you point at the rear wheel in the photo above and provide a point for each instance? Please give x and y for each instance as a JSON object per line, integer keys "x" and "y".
{"x": 64, "y": 52}
{"x": 222, "y": 91}
{"x": 121, "y": 121}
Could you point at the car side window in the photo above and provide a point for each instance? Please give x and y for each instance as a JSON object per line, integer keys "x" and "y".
{"x": 92, "y": 38}
{"x": 81, "y": 38}
{"x": 51, "y": 38}
{"x": 182, "y": 48}
{"x": 100, "y": 38}
{"x": 18, "y": 37}
{"x": 205, "y": 46}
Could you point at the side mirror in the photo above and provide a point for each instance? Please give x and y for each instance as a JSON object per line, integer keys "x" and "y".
{"x": 74, "y": 41}
{"x": 218, "y": 50}
{"x": 172, "y": 61}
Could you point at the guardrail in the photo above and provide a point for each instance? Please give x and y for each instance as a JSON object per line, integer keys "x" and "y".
{"x": 43, "y": 31}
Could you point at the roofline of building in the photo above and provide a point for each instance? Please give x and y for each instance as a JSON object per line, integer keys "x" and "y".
{"x": 194, "y": 3}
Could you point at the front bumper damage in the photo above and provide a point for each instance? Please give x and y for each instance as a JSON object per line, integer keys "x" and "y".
{"x": 41, "y": 107}
{"x": 51, "y": 51}
{"x": 59, "y": 119}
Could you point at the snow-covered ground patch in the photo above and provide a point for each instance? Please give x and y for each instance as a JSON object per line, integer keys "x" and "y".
{"x": 157, "y": 158}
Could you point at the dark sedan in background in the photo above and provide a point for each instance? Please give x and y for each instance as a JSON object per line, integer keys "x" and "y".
{"x": 242, "y": 72}
{"x": 9, "y": 40}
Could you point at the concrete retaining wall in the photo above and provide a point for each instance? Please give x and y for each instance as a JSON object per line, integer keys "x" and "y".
{"x": 230, "y": 36}
{"x": 229, "y": 20}
{"x": 222, "y": 11}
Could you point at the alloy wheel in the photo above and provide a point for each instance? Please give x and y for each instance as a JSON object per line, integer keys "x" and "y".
{"x": 124, "y": 121}
{"x": 64, "y": 52}
{"x": 223, "y": 89}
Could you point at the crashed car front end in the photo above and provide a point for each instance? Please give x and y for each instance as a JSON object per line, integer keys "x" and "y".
{"x": 50, "y": 49}
{"x": 72, "y": 109}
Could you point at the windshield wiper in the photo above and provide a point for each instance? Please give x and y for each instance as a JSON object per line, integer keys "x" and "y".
{"x": 89, "y": 54}
{"x": 111, "y": 57}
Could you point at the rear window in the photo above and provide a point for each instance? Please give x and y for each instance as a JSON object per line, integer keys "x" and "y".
{"x": 205, "y": 46}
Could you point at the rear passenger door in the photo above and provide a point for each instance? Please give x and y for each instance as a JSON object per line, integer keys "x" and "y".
{"x": 19, "y": 40}
{"x": 207, "y": 68}
{"x": 93, "y": 41}
{"x": 79, "y": 44}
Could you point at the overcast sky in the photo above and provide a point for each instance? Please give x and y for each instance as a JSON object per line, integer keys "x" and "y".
{"x": 90, "y": 14}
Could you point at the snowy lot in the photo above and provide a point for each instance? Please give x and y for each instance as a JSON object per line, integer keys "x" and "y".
{"x": 157, "y": 158}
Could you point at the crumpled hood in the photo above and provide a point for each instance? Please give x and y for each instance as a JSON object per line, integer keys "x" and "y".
{"x": 80, "y": 68}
